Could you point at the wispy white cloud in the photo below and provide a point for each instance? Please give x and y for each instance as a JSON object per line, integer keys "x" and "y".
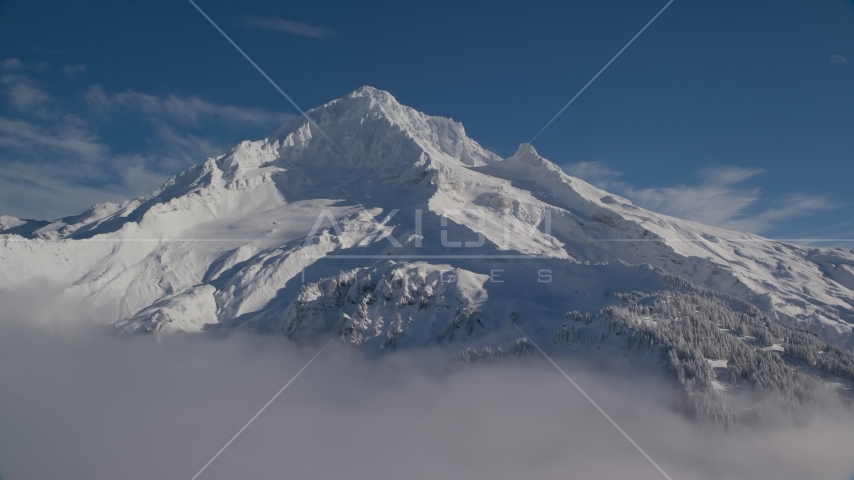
{"x": 65, "y": 138}
{"x": 719, "y": 197}
{"x": 838, "y": 60}
{"x": 53, "y": 163}
{"x": 14, "y": 64}
{"x": 31, "y": 190}
{"x": 186, "y": 148}
{"x": 785, "y": 207}
{"x": 22, "y": 93}
{"x": 186, "y": 110}
{"x": 11, "y": 64}
{"x": 51, "y": 171}
{"x": 727, "y": 174}
{"x": 72, "y": 70}
{"x": 289, "y": 26}
{"x": 594, "y": 172}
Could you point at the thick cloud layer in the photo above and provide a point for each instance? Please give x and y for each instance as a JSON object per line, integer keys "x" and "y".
{"x": 82, "y": 404}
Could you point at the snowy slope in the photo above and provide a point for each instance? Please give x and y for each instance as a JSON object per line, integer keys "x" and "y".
{"x": 406, "y": 201}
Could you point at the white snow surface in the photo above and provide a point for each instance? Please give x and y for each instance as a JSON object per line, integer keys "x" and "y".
{"x": 234, "y": 242}
{"x": 8, "y": 222}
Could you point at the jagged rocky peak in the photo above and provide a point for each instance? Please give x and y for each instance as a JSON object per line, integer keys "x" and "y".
{"x": 363, "y": 103}
{"x": 373, "y": 94}
{"x": 369, "y": 127}
{"x": 526, "y": 153}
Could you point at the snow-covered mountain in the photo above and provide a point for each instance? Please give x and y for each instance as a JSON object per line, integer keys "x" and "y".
{"x": 392, "y": 229}
{"x": 399, "y": 230}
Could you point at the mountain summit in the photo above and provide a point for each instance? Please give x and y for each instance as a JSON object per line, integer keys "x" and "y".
{"x": 238, "y": 239}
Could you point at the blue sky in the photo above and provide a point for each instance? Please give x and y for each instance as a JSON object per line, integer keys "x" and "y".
{"x": 734, "y": 113}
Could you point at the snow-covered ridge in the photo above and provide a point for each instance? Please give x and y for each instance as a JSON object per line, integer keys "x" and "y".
{"x": 235, "y": 241}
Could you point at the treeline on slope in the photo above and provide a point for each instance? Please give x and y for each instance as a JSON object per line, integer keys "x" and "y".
{"x": 684, "y": 329}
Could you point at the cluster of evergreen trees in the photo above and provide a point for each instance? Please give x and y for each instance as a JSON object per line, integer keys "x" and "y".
{"x": 778, "y": 365}
{"x": 466, "y": 318}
